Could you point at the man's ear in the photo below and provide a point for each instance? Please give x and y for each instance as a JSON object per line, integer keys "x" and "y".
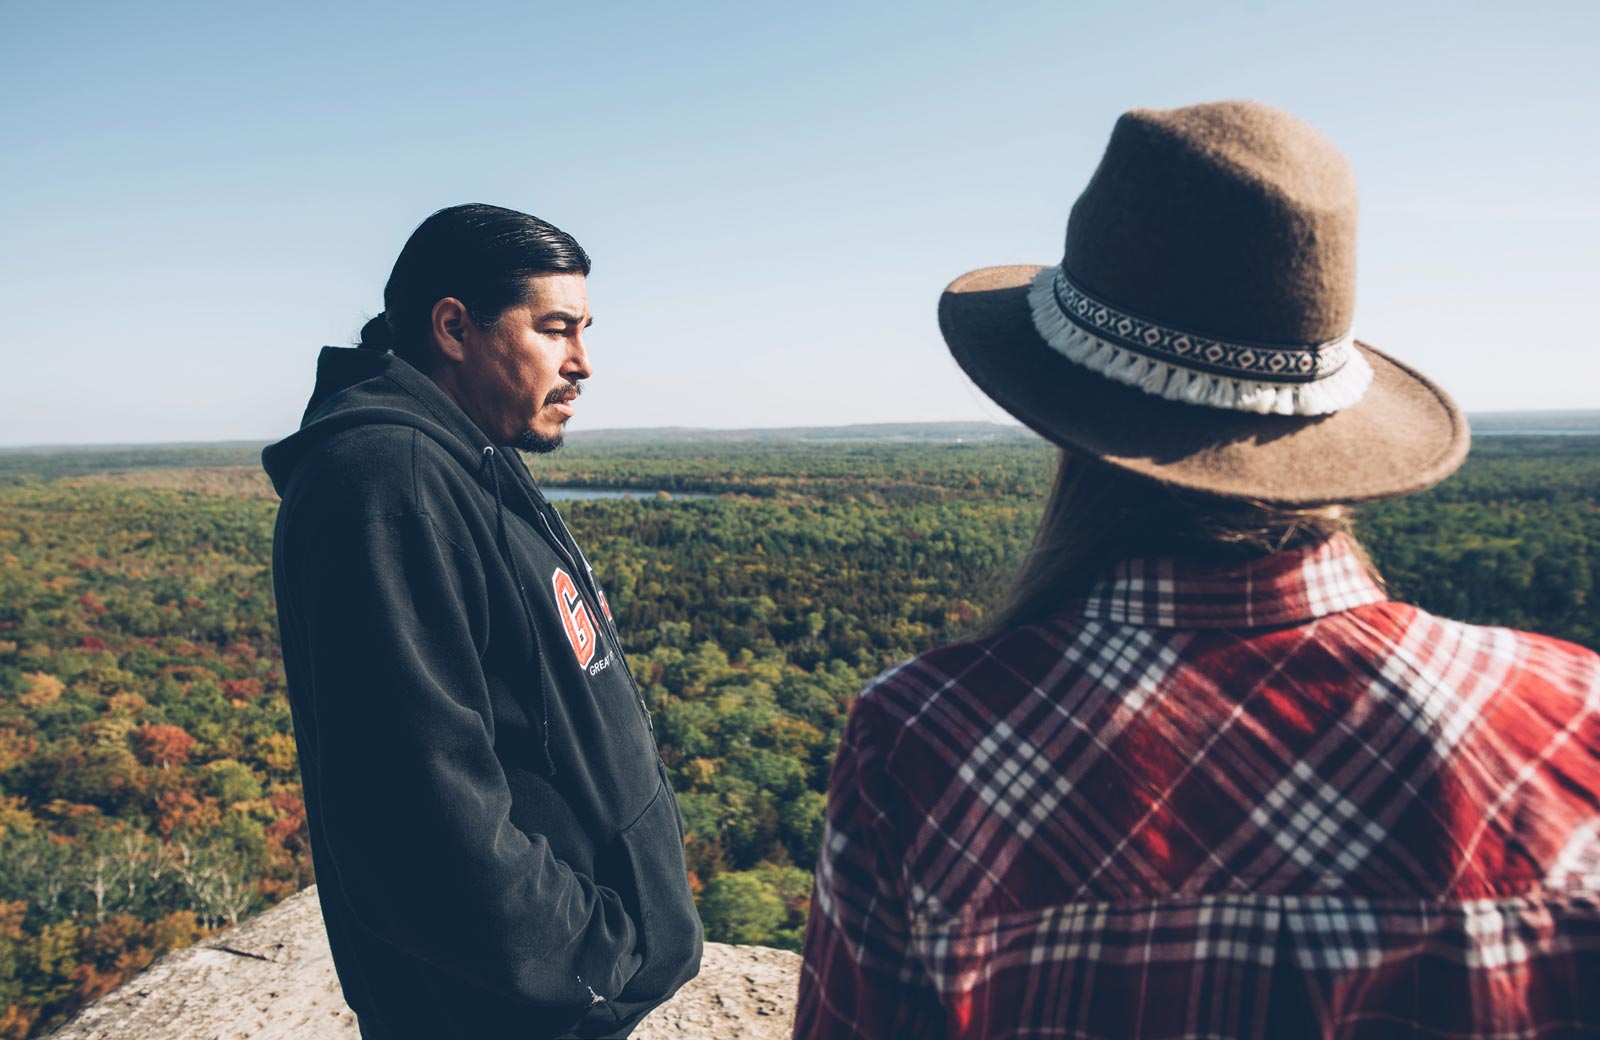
{"x": 448, "y": 328}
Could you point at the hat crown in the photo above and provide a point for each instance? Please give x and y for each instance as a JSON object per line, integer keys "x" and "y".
{"x": 1232, "y": 219}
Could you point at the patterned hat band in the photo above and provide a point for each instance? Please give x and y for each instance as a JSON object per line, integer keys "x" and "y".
{"x": 1315, "y": 379}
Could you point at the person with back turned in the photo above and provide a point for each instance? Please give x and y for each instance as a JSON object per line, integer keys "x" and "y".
{"x": 497, "y": 851}
{"x": 1201, "y": 778}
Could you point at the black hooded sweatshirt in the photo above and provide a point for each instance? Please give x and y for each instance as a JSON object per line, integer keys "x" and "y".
{"x": 497, "y": 850}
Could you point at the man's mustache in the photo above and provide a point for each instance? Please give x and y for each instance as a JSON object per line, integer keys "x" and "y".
{"x": 563, "y": 394}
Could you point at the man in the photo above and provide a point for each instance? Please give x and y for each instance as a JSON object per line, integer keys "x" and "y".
{"x": 1202, "y": 778}
{"x": 497, "y": 850}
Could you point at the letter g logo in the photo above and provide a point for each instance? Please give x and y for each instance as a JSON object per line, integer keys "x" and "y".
{"x": 575, "y": 617}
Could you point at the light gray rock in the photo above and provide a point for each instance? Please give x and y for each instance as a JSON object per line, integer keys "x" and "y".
{"x": 741, "y": 993}
{"x": 271, "y": 978}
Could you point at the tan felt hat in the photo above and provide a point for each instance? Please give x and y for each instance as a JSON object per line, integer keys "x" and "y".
{"x": 1197, "y": 330}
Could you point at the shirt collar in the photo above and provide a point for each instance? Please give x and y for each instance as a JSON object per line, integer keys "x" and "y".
{"x": 1281, "y": 589}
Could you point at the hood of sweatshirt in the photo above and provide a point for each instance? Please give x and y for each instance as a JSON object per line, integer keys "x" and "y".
{"x": 360, "y": 387}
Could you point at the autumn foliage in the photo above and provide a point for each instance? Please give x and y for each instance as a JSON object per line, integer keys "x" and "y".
{"x": 163, "y": 745}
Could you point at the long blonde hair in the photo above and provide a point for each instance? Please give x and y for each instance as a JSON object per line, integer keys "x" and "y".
{"x": 1097, "y": 515}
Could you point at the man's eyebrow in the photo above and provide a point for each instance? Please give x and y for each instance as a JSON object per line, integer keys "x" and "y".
{"x": 569, "y": 318}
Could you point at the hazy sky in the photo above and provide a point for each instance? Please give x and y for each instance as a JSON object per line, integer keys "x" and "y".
{"x": 194, "y": 197}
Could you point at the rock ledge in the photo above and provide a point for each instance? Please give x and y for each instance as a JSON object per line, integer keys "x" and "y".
{"x": 271, "y": 978}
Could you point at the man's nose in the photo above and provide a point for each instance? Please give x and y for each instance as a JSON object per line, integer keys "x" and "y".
{"x": 577, "y": 365}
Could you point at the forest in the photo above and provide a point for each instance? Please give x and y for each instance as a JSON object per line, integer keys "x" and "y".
{"x": 149, "y": 791}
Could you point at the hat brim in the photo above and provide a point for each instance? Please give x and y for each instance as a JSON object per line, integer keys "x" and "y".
{"x": 1404, "y": 434}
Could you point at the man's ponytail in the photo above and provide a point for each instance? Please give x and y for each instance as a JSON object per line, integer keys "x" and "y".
{"x": 376, "y": 335}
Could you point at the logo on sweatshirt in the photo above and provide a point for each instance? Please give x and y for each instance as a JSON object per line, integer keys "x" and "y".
{"x": 604, "y": 606}
{"x": 575, "y": 617}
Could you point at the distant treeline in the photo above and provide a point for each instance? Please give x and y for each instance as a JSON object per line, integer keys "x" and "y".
{"x": 149, "y": 789}
{"x": 66, "y": 462}
{"x": 672, "y": 441}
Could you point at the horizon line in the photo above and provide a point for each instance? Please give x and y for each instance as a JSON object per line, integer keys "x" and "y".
{"x": 579, "y": 434}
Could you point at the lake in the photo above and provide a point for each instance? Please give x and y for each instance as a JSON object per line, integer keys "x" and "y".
{"x": 561, "y": 494}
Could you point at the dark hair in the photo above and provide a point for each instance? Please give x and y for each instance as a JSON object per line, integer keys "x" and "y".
{"x": 481, "y": 255}
{"x": 1097, "y": 515}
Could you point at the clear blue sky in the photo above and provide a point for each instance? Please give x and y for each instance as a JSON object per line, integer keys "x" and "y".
{"x": 194, "y": 197}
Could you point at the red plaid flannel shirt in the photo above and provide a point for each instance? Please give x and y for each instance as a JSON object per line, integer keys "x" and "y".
{"x": 1260, "y": 802}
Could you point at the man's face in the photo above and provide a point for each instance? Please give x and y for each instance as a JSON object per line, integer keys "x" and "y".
{"x": 519, "y": 377}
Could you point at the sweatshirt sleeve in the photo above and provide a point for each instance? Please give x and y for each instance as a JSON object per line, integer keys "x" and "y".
{"x": 413, "y": 801}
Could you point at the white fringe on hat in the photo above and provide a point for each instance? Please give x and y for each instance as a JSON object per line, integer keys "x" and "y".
{"x": 1171, "y": 380}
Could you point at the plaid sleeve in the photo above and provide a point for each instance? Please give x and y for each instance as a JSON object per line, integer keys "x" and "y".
{"x": 860, "y": 978}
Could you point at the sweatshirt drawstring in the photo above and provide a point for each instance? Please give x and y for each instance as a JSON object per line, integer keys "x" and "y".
{"x": 522, "y": 591}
